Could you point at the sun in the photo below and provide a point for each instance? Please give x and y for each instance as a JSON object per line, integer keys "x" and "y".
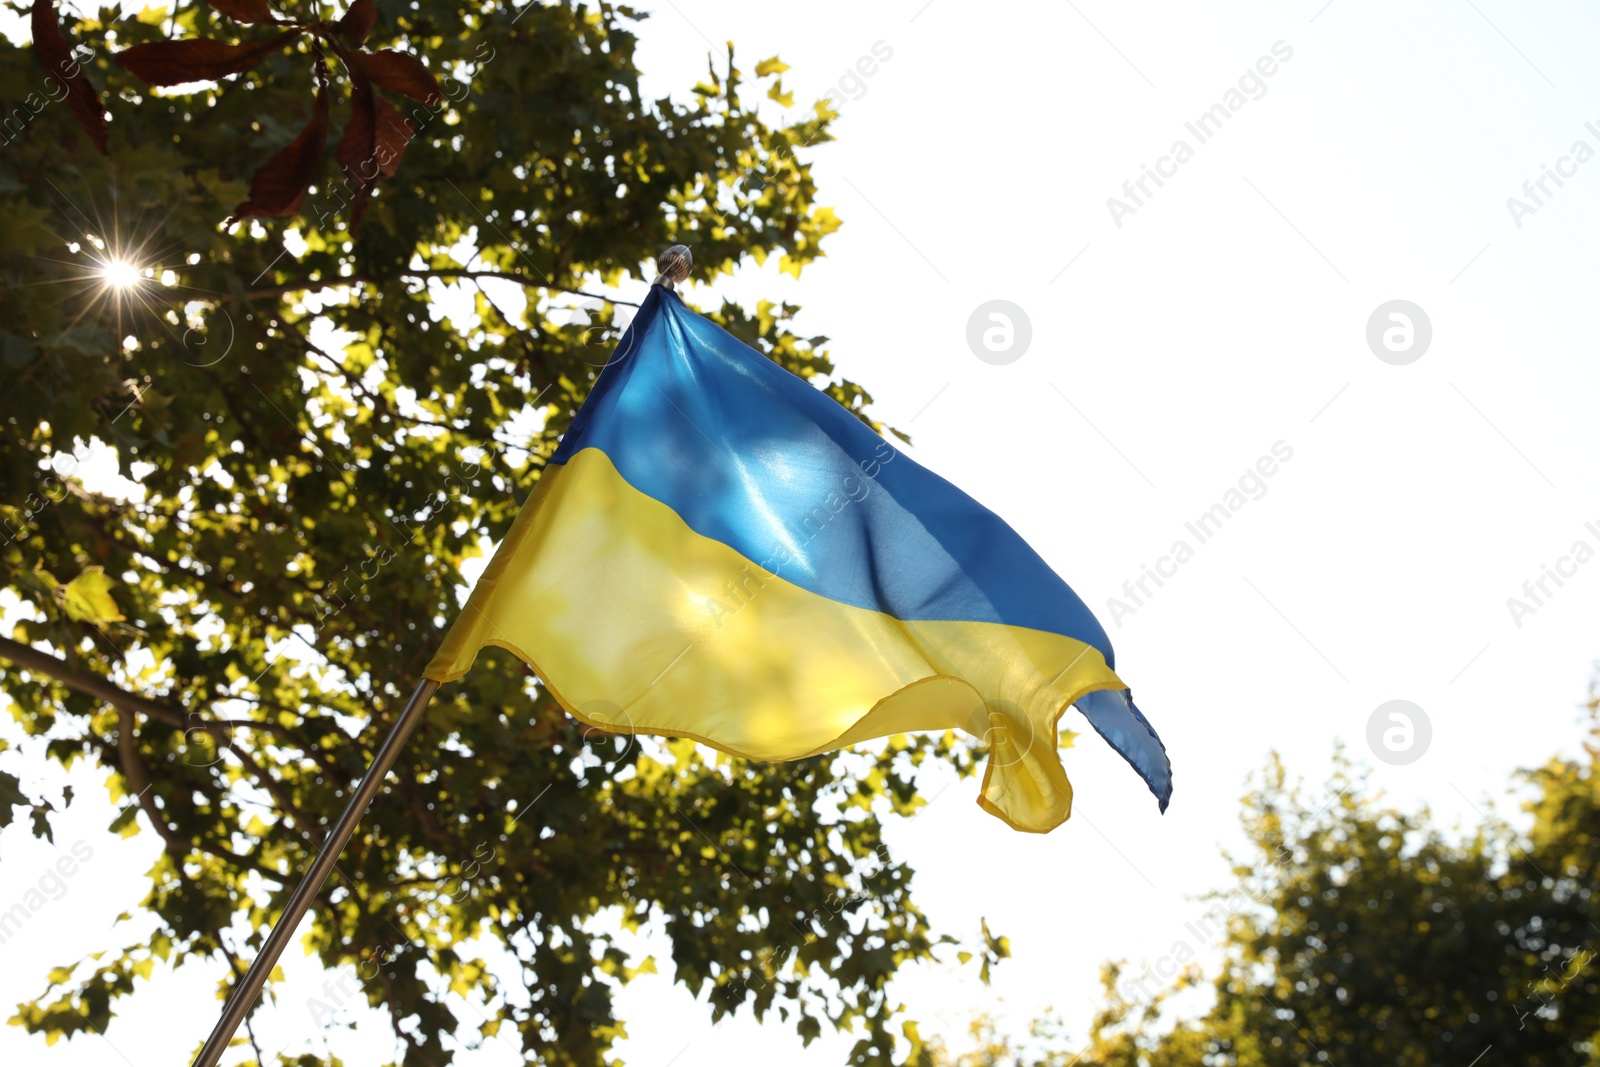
{"x": 120, "y": 274}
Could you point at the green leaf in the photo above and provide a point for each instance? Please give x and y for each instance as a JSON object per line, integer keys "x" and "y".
{"x": 41, "y": 822}
{"x": 88, "y": 597}
{"x": 11, "y": 797}
{"x": 126, "y": 821}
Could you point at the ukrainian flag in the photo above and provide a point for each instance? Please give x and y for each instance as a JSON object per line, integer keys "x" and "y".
{"x": 719, "y": 551}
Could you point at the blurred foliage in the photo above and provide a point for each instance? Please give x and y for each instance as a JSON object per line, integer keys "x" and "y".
{"x": 311, "y": 450}
{"x": 1358, "y": 933}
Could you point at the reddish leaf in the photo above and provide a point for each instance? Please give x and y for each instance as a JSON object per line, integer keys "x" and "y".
{"x": 197, "y": 59}
{"x": 375, "y": 137}
{"x": 248, "y": 12}
{"x": 50, "y": 49}
{"x": 279, "y": 187}
{"x": 355, "y": 151}
{"x": 358, "y": 21}
{"x": 372, "y": 143}
{"x": 360, "y": 133}
{"x": 393, "y": 134}
{"x": 401, "y": 72}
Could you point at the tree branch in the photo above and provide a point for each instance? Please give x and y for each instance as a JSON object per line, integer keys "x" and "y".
{"x": 133, "y": 769}
{"x": 138, "y": 777}
{"x": 310, "y": 285}
{"x": 29, "y": 658}
{"x": 132, "y": 764}
{"x": 32, "y": 659}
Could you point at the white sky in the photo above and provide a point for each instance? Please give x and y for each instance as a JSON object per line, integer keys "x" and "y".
{"x": 1227, "y": 314}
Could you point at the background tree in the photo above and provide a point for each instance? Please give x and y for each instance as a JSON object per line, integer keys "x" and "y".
{"x": 1358, "y": 933}
{"x": 312, "y": 450}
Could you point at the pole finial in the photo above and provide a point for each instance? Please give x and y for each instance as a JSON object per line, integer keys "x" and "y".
{"x": 674, "y": 264}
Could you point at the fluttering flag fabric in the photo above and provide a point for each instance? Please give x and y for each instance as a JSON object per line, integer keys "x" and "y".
{"x": 720, "y": 551}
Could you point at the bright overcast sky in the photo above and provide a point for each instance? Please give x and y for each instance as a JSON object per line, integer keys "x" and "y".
{"x": 1223, "y": 319}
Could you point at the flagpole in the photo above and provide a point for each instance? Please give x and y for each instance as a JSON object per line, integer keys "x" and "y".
{"x": 675, "y": 264}
{"x": 249, "y": 987}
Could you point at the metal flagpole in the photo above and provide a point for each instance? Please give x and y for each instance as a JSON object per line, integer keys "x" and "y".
{"x": 249, "y": 988}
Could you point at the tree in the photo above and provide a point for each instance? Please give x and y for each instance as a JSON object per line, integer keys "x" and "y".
{"x": 1382, "y": 939}
{"x": 312, "y": 451}
{"x": 1358, "y": 933}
